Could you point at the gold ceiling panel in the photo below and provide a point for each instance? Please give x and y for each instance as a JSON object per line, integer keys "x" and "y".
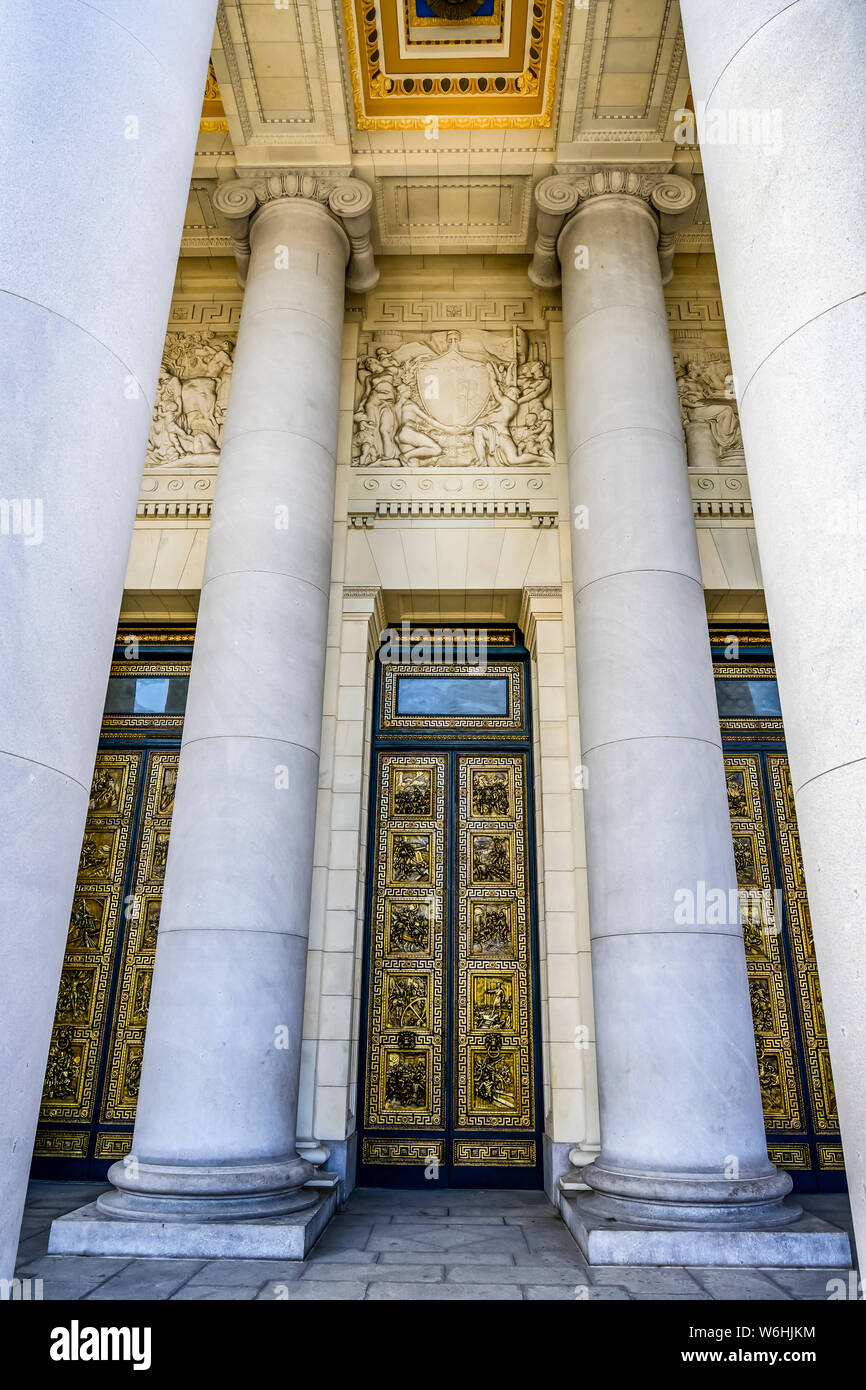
{"x": 213, "y": 116}
{"x": 488, "y": 64}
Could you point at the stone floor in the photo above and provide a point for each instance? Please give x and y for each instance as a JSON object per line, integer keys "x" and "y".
{"x": 406, "y": 1245}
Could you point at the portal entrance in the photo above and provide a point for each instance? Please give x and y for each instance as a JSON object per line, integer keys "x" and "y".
{"x": 450, "y": 1051}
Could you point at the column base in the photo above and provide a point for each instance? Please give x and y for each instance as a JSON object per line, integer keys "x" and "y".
{"x": 804, "y": 1241}
{"x": 90, "y": 1231}
{"x": 199, "y": 1192}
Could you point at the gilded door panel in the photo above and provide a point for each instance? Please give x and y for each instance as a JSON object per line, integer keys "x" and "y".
{"x": 406, "y": 1016}
{"x": 80, "y": 1021}
{"x": 123, "y": 1073}
{"x": 813, "y": 1029}
{"x": 493, "y": 1039}
{"x": 775, "y": 1039}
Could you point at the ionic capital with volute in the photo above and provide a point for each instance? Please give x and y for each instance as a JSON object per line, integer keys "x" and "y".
{"x": 669, "y": 197}
{"x": 348, "y": 200}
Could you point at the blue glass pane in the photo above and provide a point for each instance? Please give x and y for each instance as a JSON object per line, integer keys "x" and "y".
{"x": 151, "y": 693}
{"x": 146, "y": 695}
{"x": 746, "y": 699}
{"x": 481, "y": 695}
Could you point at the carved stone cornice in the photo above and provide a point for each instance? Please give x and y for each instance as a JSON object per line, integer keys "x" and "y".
{"x": 348, "y": 200}
{"x": 558, "y": 198}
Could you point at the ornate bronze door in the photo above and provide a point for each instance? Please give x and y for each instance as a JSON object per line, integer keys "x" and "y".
{"x": 450, "y": 1049}
{"x": 797, "y": 1091}
{"x": 94, "y": 1061}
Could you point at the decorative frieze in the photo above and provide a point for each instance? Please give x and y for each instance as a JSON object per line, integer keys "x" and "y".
{"x": 390, "y": 310}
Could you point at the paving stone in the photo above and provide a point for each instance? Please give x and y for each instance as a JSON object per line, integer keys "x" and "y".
{"x": 32, "y": 1248}
{"x": 445, "y": 1217}
{"x": 513, "y": 1274}
{"x": 410, "y": 1271}
{"x": 807, "y": 1283}
{"x": 502, "y": 1258}
{"x": 58, "y": 1291}
{"x": 345, "y": 1237}
{"x": 738, "y": 1283}
{"x": 214, "y": 1293}
{"x": 699, "y": 1296}
{"x": 479, "y": 1239}
{"x": 310, "y": 1289}
{"x": 546, "y": 1236}
{"x": 146, "y": 1279}
{"x": 394, "y": 1245}
{"x": 571, "y": 1258}
{"x": 346, "y": 1257}
{"x": 74, "y": 1269}
{"x": 363, "y": 1202}
{"x": 639, "y": 1278}
{"x": 379, "y": 1293}
{"x": 607, "y": 1293}
{"x": 253, "y": 1272}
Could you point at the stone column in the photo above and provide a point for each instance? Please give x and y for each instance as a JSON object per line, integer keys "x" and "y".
{"x": 94, "y": 178}
{"x": 215, "y": 1128}
{"x": 683, "y": 1161}
{"x": 782, "y": 148}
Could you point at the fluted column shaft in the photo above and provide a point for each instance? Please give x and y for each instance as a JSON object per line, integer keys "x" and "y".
{"x": 94, "y": 181}
{"x": 682, "y": 1129}
{"x": 215, "y": 1128}
{"x": 789, "y": 226}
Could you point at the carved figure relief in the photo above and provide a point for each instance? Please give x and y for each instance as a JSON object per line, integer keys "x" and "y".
{"x": 405, "y": 1081}
{"x": 409, "y": 928}
{"x": 491, "y": 859}
{"x": 408, "y": 1002}
{"x": 492, "y": 930}
{"x": 474, "y": 399}
{"x": 63, "y": 1069}
{"x": 410, "y": 859}
{"x": 84, "y": 925}
{"x": 191, "y": 399}
{"x": 709, "y": 410}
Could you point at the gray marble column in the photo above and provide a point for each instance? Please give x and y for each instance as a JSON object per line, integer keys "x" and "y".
{"x": 99, "y": 113}
{"x": 215, "y": 1127}
{"x": 786, "y": 196}
{"x": 682, "y": 1128}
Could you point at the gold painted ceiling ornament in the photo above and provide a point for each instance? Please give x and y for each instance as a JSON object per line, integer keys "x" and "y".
{"x": 459, "y": 83}
{"x": 455, "y": 9}
{"x": 213, "y": 116}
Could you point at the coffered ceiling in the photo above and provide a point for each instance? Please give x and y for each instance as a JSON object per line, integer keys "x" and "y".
{"x": 451, "y": 110}
{"x": 419, "y": 64}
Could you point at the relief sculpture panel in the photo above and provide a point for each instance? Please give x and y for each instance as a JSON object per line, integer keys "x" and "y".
{"x": 191, "y": 400}
{"x": 708, "y": 405}
{"x": 452, "y": 399}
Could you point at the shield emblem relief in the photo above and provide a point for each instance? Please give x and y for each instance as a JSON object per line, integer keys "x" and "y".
{"x": 453, "y": 389}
